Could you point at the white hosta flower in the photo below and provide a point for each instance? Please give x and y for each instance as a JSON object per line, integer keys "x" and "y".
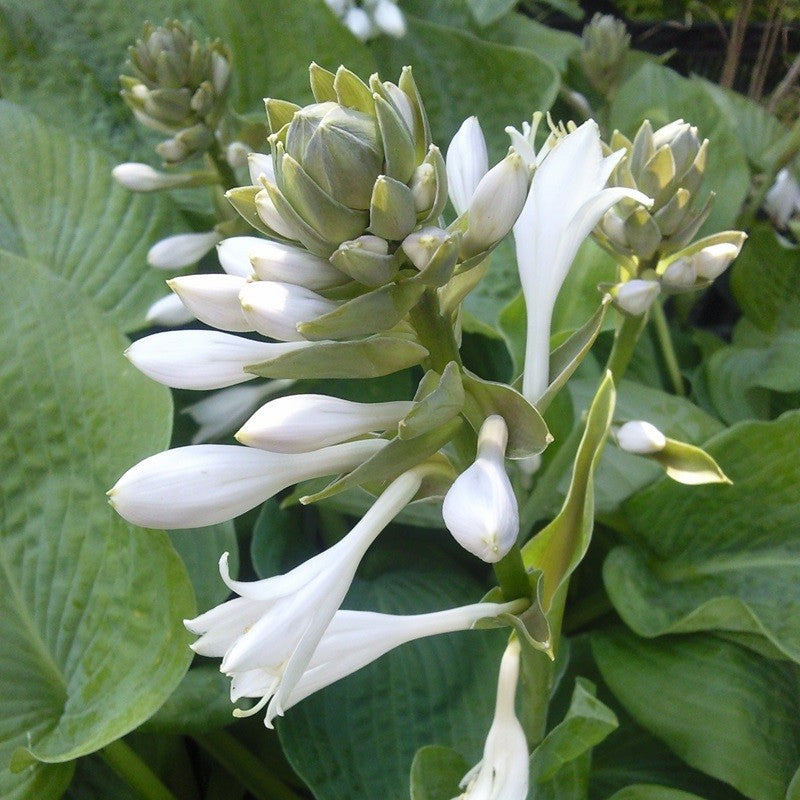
{"x": 713, "y": 260}
{"x": 276, "y": 309}
{"x": 389, "y": 19}
{"x": 303, "y": 422}
{"x": 641, "y": 438}
{"x": 497, "y": 203}
{"x": 260, "y": 164}
{"x": 202, "y": 359}
{"x": 274, "y": 627}
{"x": 480, "y": 508}
{"x": 635, "y": 297}
{"x": 467, "y": 162}
{"x": 503, "y": 772}
{"x": 169, "y": 311}
{"x": 357, "y": 638}
{"x": 524, "y": 141}
{"x": 189, "y": 487}
{"x": 565, "y": 202}
{"x": 213, "y": 298}
{"x": 137, "y": 177}
{"x": 782, "y": 201}
{"x": 359, "y": 23}
{"x": 181, "y": 250}
{"x": 224, "y": 411}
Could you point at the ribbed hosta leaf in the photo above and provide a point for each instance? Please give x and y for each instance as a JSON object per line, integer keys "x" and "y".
{"x": 60, "y": 207}
{"x": 90, "y": 608}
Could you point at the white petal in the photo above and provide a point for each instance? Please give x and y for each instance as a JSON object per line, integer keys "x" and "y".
{"x": 680, "y": 274}
{"x": 213, "y": 298}
{"x": 389, "y": 18}
{"x": 467, "y": 162}
{"x": 275, "y": 261}
{"x": 271, "y": 217}
{"x": 182, "y": 250}
{"x": 201, "y": 359}
{"x": 143, "y": 178}
{"x": 360, "y": 25}
{"x": 275, "y": 309}
{"x": 234, "y": 255}
{"x": 169, "y": 311}
{"x": 300, "y": 423}
{"x": 713, "y": 260}
{"x": 636, "y": 296}
{"x": 260, "y": 164}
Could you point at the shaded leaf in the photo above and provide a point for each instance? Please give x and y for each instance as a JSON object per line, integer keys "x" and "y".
{"x": 436, "y": 772}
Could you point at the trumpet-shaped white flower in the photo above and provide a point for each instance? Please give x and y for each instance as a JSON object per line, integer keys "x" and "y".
{"x": 782, "y": 201}
{"x": 480, "y": 508}
{"x": 169, "y": 311}
{"x": 641, "y": 438}
{"x": 467, "y": 162}
{"x": 224, "y": 411}
{"x": 276, "y": 309}
{"x": 213, "y": 298}
{"x": 566, "y": 200}
{"x": 181, "y": 250}
{"x": 635, "y": 297}
{"x": 503, "y": 772}
{"x": 303, "y": 422}
{"x": 357, "y": 638}
{"x": 188, "y": 487}
{"x": 202, "y": 359}
{"x": 267, "y": 636}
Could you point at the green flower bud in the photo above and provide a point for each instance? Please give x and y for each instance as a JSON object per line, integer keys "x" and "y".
{"x": 356, "y": 163}
{"x": 667, "y": 165}
{"x": 177, "y": 85}
{"x": 605, "y": 43}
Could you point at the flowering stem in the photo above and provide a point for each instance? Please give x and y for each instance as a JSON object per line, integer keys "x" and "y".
{"x": 624, "y": 344}
{"x": 133, "y": 769}
{"x": 511, "y": 575}
{"x": 667, "y": 348}
{"x": 227, "y": 177}
{"x": 248, "y": 769}
{"x": 434, "y": 332}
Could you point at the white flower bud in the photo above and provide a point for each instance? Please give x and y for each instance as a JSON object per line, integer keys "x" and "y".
{"x": 189, "y": 487}
{"x": 480, "y": 508}
{"x": 401, "y": 102}
{"x": 421, "y": 245}
{"x": 260, "y": 164}
{"x": 423, "y": 187}
{"x": 172, "y": 150}
{"x": 270, "y": 216}
{"x": 300, "y": 423}
{"x": 234, "y": 255}
{"x": 467, "y": 162}
{"x": 389, "y": 18}
{"x": 237, "y": 154}
{"x": 359, "y": 24}
{"x": 275, "y": 261}
{"x": 276, "y": 309}
{"x": 224, "y": 411}
{"x": 497, "y": 203}
{"x": 201, "y": 359}
{"x": 181, "y": 250}
{"x": 337, "y": 6}
{"x": 680, "y": 274}
{"x": 143, "y": 178}
{"x": 214, "y": 299}
{"x": 713, "y": 260}
{"x": 636, "y": 296}
{"x": 641, "y": 438}
{"x": 169, "y": 312}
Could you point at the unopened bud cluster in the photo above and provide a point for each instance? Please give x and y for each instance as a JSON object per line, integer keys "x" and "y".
{"x": 177, "y": 86}
{"x": 604, "y": 45}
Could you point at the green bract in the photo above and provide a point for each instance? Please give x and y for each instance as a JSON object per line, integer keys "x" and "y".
{"x": 356, "y": 163}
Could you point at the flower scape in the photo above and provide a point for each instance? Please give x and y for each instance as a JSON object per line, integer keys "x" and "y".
{"x": 363, "y": 242}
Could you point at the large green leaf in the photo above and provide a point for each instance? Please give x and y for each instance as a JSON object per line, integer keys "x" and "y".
{"x": 91, "y": 608}
{"x": 60, "y": 207}
{"x": 273, "y": 42}
{"x": 643, "y": 791}
{"x": 661, "y": 95}
{"x": 719, "y": 557}
{"x": 721, "y": 708}
{"x": 438, "y": 690}
{"x": 459, "y": 75}
{"x": 765, "y": 281}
